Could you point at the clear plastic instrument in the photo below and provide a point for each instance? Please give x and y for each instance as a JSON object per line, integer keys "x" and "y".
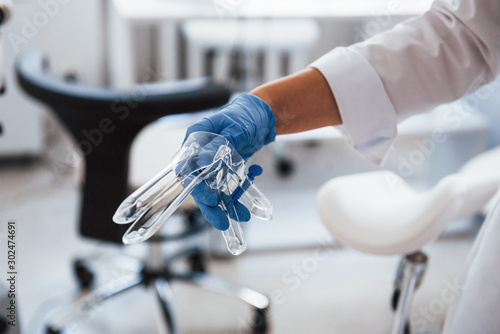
{"x": 204, "y": 157}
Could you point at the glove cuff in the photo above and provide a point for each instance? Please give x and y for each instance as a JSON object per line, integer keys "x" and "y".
{"x": 268, "y": 114}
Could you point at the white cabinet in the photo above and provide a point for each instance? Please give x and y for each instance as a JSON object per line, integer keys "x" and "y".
{"x": 20, "y": 119}
{"x": 69, "y": 33}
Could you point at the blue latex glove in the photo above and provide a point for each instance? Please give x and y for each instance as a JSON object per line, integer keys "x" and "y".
{"x": 248, "y": 123}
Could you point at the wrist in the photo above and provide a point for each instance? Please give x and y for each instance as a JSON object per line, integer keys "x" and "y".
{"x": 267, "y": 117}
{"x": 264, "y": 96}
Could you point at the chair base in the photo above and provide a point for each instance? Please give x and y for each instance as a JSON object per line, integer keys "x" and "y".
{"x": 159, "y": 280}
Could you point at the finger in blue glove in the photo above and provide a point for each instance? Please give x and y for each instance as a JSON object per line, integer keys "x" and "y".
{"x": 215, "y": 216}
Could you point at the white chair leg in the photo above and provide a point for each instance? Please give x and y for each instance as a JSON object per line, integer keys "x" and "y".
{"x": 409, "y": 275}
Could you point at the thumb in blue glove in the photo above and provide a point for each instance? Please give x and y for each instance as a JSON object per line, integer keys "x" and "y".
{"x": 248, "y": 123}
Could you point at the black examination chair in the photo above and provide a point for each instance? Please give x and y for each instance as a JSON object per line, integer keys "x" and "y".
{"x": 104, "y": 122}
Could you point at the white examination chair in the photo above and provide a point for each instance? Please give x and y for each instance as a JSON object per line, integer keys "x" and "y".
{"x": 378, "y": 213}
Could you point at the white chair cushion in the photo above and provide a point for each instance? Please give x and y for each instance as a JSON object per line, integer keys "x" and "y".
{"x": 379, "y": 213}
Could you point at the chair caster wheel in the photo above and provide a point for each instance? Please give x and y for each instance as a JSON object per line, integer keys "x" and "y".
{"x": 395, "y": 299}
{"x": 407, "y": 328}
{"x": 197, "y": 262}
{"x": 83, "y": 274}
{"x": 284, "y": 167}
{"x": 51, "y": 330}
{"x": 260, "y": 324}
{"x": 3, "y": 325}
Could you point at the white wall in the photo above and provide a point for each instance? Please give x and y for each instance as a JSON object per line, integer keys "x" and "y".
{"x": 69, "y": 32}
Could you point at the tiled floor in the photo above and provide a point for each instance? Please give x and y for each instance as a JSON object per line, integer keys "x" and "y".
{"x": 316, "y": 288}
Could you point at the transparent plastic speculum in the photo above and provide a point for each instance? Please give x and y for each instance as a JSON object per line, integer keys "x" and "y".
{"x": 204, "y": 157}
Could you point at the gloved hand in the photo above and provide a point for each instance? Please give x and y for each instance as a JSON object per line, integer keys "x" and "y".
{"x": 248, "y": 123}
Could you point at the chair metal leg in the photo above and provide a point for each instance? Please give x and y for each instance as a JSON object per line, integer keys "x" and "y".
{"x": 164, "y": 293}
{"x": 156, "y": 275}
{"x": 409, "y": 276}
{"x": 222, "y": 286}
{"x": 90, "y": 300}
{"x": 260, "y": 323}
{"x": 219, "y": 285}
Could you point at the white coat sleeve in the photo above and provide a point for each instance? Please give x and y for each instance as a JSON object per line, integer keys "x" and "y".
{"x": 475, "y": 303}
{"x": 436, "y": 58}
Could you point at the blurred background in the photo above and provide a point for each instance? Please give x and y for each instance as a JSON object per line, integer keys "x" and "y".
{"x": 314, "y": 285}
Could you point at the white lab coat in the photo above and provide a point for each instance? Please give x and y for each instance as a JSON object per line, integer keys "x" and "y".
{"x": 436, "y": 58}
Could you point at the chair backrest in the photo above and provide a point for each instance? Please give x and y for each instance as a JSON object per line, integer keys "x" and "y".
{"x": 104, "y": 122}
